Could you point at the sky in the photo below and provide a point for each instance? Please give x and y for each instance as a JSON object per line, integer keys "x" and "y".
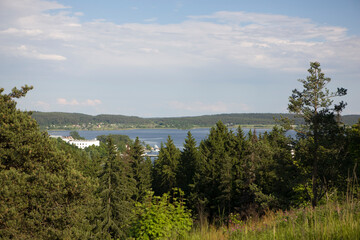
{"x": 169, "y": 58}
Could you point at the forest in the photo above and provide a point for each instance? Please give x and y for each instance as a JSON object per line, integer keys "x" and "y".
{"x": 78, "y": 121}
{"x": 229, "y": 186}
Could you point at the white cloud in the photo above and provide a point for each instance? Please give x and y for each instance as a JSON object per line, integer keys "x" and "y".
{"x": 244, "y": 39}
{"x": 74, "y": 102}
{"x": 24, "y": 32}
{"x": 63, "y": 101}
{"x": 33, "y": 53}
{"x": 149, "y": 50}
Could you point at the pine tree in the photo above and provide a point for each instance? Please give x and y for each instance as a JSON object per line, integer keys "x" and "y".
{"x": 165, "y": 168}
{"x": 116, "y": 190}
{"x": 41, "y": 196}
{"x": 321, "y": 130}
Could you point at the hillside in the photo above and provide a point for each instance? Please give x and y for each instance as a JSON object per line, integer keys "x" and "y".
{"x": 60, "y": 120}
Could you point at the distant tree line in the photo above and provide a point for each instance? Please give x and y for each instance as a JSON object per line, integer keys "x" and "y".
{"x": 53, "y": 190}
{"x": 58, "y": 119}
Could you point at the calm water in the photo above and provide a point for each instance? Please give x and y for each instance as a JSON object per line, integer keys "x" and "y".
{"x": 157, "y": 136}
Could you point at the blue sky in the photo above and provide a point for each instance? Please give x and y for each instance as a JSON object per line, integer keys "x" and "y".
{"x": 175, "y": 58}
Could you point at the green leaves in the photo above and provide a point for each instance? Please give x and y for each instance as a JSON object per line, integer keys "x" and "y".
{"x": 161, "y": 217}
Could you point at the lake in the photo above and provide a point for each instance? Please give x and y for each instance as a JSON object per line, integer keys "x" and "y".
{"x": 157, "y": 136}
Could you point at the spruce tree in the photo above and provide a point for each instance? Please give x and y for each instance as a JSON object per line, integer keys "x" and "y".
{"x": 238, "y": 184}
{"x": 41, "y": 196}
{"x": 116, "y": 190}
{"x": 281, "y": 172}
{"x": 215, "y": 179}
{"x": 141, "y": 167}
{"x": 165, "y": 168}
{"x": 188, "y": 166}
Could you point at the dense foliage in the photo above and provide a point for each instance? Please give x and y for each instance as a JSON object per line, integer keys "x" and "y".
{"x": 42, "y": 195}
{"x": 54, "y": 190}
{"x": 161, "y": 217}
{"x": 120, "y": 141}
{"x": 58, "y": 120}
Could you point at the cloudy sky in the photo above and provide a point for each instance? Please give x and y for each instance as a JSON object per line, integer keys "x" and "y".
{"x": 175, "y": 58}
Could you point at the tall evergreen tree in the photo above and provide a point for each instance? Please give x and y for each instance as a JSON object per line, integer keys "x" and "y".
{"x": 188, "y": 165}
{"x": 116, "y": 190}
{"x": 321, "y": 132}
{"x": 165, "y": 168}
{"x": 283, "y": 171}
{"x": 239, "y": 175}
{"x": 41, "y": 196}
{"x": 215, "y": 179}
{"x": 141, "y": 167}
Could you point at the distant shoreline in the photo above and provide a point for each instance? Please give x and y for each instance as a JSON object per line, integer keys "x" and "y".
{"x": 246, "y": 126}
{"x": 75, "y": 121}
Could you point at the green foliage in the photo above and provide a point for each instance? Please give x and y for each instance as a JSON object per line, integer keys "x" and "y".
{"x": 245, "y": 175}
{"x": 120, "y": 141}
{"x": 116, "y": 190}
{"x": 87, "y": 161}
{"x": 188, "y": 165}
{"x": 41, "y": 196}
{"x": 161, "y": 217}
{"x": 76, "y": 136}
{"x": 277, "y": 172}
{"x": 354, "y": 146}
{"x": 321, "y": 135}
{"x": 216, "y": 179}
{"x": 141, "y": 167}
{"x": 165, "y": 168}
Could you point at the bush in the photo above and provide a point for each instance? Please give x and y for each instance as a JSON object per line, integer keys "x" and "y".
{"x": 161, "y": 217}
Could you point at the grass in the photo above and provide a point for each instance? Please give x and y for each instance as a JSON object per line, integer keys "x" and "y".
{"x": 332, "y": 220}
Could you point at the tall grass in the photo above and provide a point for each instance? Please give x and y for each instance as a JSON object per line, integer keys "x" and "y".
{"x": 332, "y": 220}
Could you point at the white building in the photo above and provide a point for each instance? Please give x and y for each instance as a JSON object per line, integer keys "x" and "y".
{"x": 78, "y": 143}
{"x": 85, "y": 143}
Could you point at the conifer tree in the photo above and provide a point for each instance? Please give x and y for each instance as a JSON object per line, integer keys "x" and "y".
{"x": 165, "y": 168}
{"x": 116, "y": 189}
{"x": 281, "y": 171}
{"x": 188, "y": 165}
{"x": 41, "y": 196}
{"x": 240, "y": 148}
{"x": 141, "y": 167}
{"x": 215, "y": 179}
{"x": 321, "y": 132}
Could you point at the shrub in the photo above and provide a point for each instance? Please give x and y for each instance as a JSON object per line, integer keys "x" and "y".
{"x": 161, "y": 217}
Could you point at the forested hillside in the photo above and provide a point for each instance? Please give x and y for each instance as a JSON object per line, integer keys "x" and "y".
{"x": 58, "y": 120}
